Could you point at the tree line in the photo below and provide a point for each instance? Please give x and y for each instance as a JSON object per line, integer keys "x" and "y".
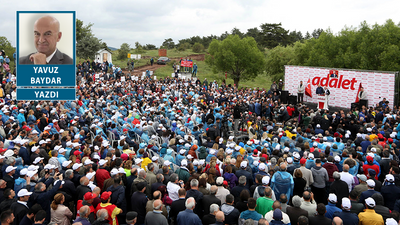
{"x": 364, "y": 47}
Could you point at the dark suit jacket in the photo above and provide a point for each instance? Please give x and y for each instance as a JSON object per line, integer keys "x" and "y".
{"x": 319, "y": 220}
{"x": 58, "y": 58}
{"x": 294, "y": 213}
{"x": 207, "y": 201}
{"x": 176, "y": 207}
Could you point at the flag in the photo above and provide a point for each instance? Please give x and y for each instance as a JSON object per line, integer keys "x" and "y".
{"x": 308, "y": 88}
{"x": 358, "y": 92}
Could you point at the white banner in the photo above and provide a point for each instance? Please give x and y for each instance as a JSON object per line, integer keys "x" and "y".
{"x": 343, "y": 84}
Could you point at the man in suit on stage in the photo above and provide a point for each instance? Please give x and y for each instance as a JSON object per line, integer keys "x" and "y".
{"x": 46, "y": 35}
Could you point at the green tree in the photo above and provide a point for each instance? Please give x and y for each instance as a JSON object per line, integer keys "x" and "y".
{"x": 7, "y": 47}
{"x": 240, "y": 58}
{"x": 150, "y": 47}
{"x": 168, "y": 43}
{"x": 273, "y": 34}
{"x": 123, "y": 51}
{"x": 197, "y": 47}
{"x": 276, "y": 60}
{"x": 86, "y": 43}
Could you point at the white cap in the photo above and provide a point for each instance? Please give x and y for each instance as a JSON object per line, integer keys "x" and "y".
{"x": 23, "y": 192}
{"x": 62, "y": 150}
{"x": 49, "y": 166}
{"x": 318, "y": 126}
{"x": 265, "y": 180}
{"x": 229, "y": 151}
{"x": 88, "y": 162}
{"x": 138, "y": 161}
{"x": 262, "y": 166}
{"x": 42, "y": 142}
{"x": 76, "y": 166}
{"x": 184, "y": 162}
{"x": 57, "y": 147}
{"x": 389, "y": 178}
{"x": 167, "y": 163}
{"x": 337, "y": 158}
{"x": 10, "y": 168}
{"x": 33, "y": 168}
{"x": 32, "y": 173}
{"x": 370, "y": 183}
{"x": 66, "y": 163}
{"x": 189, "y": 156}
{"x": 102, "y": 162}
{"x": 95, "y": 156}
{"x": 332, "y": 198}
{"x": 286, "y": 149}
{"x": 182, "y": 151}
{"x": 346, "y": 203}
{"x": 289, "y": 159}
{"x": 219, "y": 181}
{"x": 34, "y": 132}
{"x": 37, "y": 160}
{"x": 243, "y": 164}
{"x": 154, "y": 158}
{"x": 90, "y": 175}
{"x": 24, "y": 171}
{"x": 121, "y": 170}
{"x": 296, "y": 155}
{"x": 195, "y": 162}
{"x": 96, "y": 147}
{"x": 238, "y": 148}
{"x": 370, "y": 202}
{"x": 311, "y": 156}
{"x": 391, "y": 221}
{"x": 114, "y": 172}
{"x": 9, "y": 153}
{"x": 373, "y": 149}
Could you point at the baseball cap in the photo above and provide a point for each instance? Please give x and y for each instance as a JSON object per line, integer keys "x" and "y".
{"x": 243, "y": 164}
{"x": 289, "y": 160}
{"x": 37, "y": 160}
{"x": 277, "y": 215}
{"x": 265, "y": 180}
{"x": 370, "y": 183}
{"x": 76, "y": 166}
{"x": 106, "y": 195}
{"x": 337, "y": 158}
{"x": 391, "y": 221}
{"x": 389, "y": 178}
{"x": 219, "y": 180}
{"x": 10, "y": 168}
{"x": 114, "y": 172}
{"x": 90, "y": 175}
{"x": 346, "y": 204}
{"x": 332, "y": 198}
{"x": 184, "y": 162}
{"x": 88, "y": 161}
{"x": 370, "y": 202}
{"x": 362, "y": 177}
{"x": 23, "y": 192}
{"x": 261, "y": 166}
{"x": 167, "y": 163}
{"x": 102, "y": 162}
{"x": 66, "y": 163}
{"x": 88, "y": 196}
{"x": 131, "y": 216}
{"x": 23, "y": 171}
{"x": 49, "y": 166}
{"x": 303, "y": 161}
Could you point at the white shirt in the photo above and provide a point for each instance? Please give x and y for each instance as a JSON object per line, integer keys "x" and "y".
{"x": 50, "y": 56}
{"x": 348, "y": 178}
{"x": 173, "y": 189}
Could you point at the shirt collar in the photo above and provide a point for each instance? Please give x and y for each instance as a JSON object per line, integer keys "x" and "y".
{"x": 23, "y": 203}
{"x": 50, "y": 56}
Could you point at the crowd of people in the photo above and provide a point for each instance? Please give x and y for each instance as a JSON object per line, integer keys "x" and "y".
{"x": 173, "y": 151}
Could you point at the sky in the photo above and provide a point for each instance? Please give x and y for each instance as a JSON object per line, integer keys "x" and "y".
{"x": 153, "y": 21}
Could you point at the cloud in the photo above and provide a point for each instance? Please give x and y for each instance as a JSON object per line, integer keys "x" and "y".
{"x": 152, "y": 21}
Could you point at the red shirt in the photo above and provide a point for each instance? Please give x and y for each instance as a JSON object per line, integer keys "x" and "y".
{"x": 290, "y": 110}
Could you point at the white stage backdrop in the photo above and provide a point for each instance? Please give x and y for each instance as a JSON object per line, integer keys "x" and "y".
{"x": 344, "y": 88}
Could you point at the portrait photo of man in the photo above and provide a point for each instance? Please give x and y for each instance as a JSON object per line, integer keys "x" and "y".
{"x": 46, "y": 36}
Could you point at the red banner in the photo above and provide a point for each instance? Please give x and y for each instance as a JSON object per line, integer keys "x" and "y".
{"x": 187, "y": 64}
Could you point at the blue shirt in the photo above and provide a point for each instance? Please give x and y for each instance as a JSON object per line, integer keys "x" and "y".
{"x": 188, "y": 217}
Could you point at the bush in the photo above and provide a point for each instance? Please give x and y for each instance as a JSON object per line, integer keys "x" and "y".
{"x": 197, "y": 47}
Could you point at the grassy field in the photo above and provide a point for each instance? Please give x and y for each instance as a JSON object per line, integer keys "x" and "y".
{"x": 204, "y": 71}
